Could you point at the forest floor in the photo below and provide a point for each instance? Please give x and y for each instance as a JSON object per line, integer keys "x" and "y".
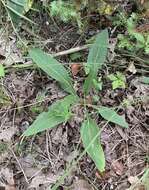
{"x": 37, "y": 162}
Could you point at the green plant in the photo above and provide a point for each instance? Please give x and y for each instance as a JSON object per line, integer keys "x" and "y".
{"x": 60, "y": 111}
{"x": 141, "y": 42}
{"x": 72, "y": 10}
{"x": 16, "y": 9}
{"x": 133, "y": 41}
{"x": 118, "y": 80}
{"x": 98, "y": 84}
{"x": 38, "y": 107}
{"x": 66, "y": 11}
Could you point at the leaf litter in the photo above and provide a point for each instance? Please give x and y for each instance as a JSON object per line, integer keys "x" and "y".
{"x": 44, "y": 157}
{"x": 9, "y": 52}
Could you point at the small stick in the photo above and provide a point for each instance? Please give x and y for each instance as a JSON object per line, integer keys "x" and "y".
{"x": 72, "y": 50}
{"x": 65, "y": 52}
{"x": 19, "y": 165}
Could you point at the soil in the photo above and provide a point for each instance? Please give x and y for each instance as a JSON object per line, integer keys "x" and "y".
{"x": 38, "y": 161}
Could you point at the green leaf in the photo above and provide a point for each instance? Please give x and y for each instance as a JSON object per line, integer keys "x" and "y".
{"x": 118, "y": 80}
{"x": 58, "y": 112}
{"x": 17, "y": 9}
{"x": 92, "y": 145}
{"x": 53, "y": 68}
{"x": 97, "y": 84}
{"x": 116, "y": 84}
{"x": 96, "y": 58}
{"x": 110, "y": 115}
{"x": 2, "y": 71}
{"x": 112, "y": 77}
{"x": 139, "y": 37}
{"x": 144, "y": 80}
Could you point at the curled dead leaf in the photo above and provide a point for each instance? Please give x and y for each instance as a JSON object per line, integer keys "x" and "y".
{"x": 118, "y": 167}
{"x": 132, "y": 68}
{"x": 89, "y": 100}
{"x": 143, "y": 28}
{"x": 104, "y": 175}
{"x": 75, "y": 68}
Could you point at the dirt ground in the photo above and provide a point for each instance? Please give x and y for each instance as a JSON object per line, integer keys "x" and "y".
{"x": 38, "y": 161}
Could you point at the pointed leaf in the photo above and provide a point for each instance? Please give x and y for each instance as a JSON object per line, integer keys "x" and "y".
{"x": 58, "y": 113}
{"x": 2, "y": 71}
{"x": 110, "y": 115}
{"x": 53, "y": 68}
{"x": 17, "y": 9}
{"x": 92, "y": 145}
{"x": 96, "y": 58}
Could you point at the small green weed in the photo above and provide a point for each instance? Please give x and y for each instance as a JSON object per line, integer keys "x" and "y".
{"x": 60, "y": 111}
{"x": 72, "y": 10}
{"x": 98, "y": 84}
{"x": 66, "y": 11}
{"x": 16, "y": 9}
{"x": 118, "y": 80}
{"x": 133, "y": 41}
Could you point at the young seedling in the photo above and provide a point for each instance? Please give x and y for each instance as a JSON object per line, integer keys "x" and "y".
{"x": 118, "y": 80}
{"x": 60, "y": 111}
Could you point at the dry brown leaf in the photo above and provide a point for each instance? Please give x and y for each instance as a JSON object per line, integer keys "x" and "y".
{"x": 135, "y": 183}
{"x": 44, "y": 180}
{"x": 7, "y": 133}
{"x": 8, "y": 181}
{"x": 81, "y": 185}
{"x": 28, "y": 165}
{"x": 10, "y": 187}
{"x": 142, "y": 28}
{"x": 104, "y": 175}
{"x": 131, "y": 68}
{"x": 8, "y": 50}
{"x": 118, "y": 167}
{"x": 133, "y": 179}
{"x": 89, "y": 100}
{"x": 142, "y": 1}
{"x": 75, "y": 68}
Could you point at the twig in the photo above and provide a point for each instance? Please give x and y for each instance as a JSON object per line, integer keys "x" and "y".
{"x": 66, "y": 52}
{"x": 19, "y": 165}
{"x": 72, "y": 50}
